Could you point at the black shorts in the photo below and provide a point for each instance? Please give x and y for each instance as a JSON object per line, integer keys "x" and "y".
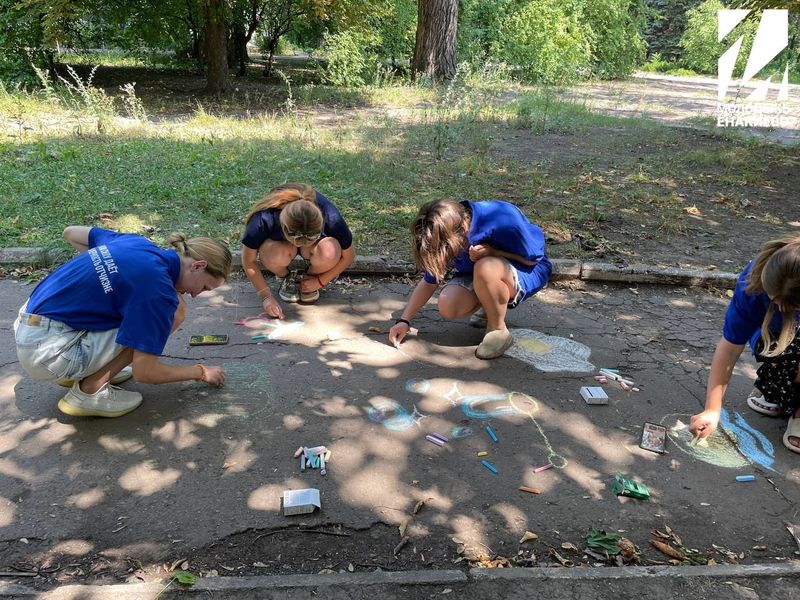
{"x": 777, "y": 376}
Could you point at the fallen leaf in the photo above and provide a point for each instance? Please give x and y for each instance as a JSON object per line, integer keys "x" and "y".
{"x": 692, "y": 210}
{"x": 326, "y": 572}
{"x": 446, "y": 591}
{"x": 184, "y": 577}
{"x": 402, "y": 528}
{"x": 260, "y": 565}
{"x": 374, "y": 330}
{"x": 760, "y": 547}
{"x": 227, "y": 568}
{"x": 527, "y": 536}
{"x": 667, "y": 550}
{"x": 350, "y": 567}
{"x": 418, "y": 506}
{"x": 569, "y": 547}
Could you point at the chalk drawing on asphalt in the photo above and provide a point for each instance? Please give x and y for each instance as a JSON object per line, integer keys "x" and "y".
{"x": 549, "y": 353}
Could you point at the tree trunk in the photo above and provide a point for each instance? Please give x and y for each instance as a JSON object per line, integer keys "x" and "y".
{"x": 237, "y": 50}
{"x": 216, "y": 39}
{"x": 272, "y": 46}
{"x": 435, "y": 48}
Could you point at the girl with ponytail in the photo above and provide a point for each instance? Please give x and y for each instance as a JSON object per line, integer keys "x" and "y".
{"x": 764, "y": 311}
{"x": 498, "y": 260}
{"x": 294, "y": 219}
{"x": 112, "y": 306}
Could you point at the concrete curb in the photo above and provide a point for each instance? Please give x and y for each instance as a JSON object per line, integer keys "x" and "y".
{"x": 477, "y": 583}
{"x": 563, "y": 269}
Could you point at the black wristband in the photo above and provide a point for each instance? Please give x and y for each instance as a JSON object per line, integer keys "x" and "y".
{"x": 406, "y": 321}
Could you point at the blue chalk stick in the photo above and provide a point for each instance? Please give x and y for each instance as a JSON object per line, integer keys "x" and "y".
{"x": 489, "y": 466}
{"x": 491, "y": 434}
{"x": 745, "y": 478}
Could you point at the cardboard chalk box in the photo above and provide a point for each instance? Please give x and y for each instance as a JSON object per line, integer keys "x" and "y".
{"x": 594, "y": 395}
{"x": 300, "y": 502}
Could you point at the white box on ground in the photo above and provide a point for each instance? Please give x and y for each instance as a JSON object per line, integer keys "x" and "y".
{"x": 594, "y": 395}
{"x": 300, "y": 502}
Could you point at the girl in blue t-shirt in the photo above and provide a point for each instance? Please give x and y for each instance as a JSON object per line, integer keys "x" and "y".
{"x": 497, "y": 258}
{"x": 765, "y": 311}
{"x": 115, "y": 305}
{"x": 295, "y": 219}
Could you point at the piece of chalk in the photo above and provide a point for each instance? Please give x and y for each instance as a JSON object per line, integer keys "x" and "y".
{"x": 745, "y": 478}
{"x": 444, "y": 438}
{"x": 694, "y": 441}
{"x": 530, "y": 490}
{"x": 302, "y": 462}
{"x": 482, "y": 453}
{"x": 543, "y": 468}
{"x": 322, "y": 470}
{"x": 328, "y": 456}
{"x": 299, "y": 451}
{"x": 491, "y": 434}
{"x": 259, "y": 336}
{"x": 489, "y": 466}
{"x": 434, "y": 440}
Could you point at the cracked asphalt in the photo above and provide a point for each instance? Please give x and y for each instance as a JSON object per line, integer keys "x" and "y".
{"x": 195, "y": 465}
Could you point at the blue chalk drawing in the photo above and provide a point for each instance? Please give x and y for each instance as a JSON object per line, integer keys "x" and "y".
{"x": 743, "y": 445}
{"x": 394, "y": 416}
{"x": 461, "y": 431}
{"x": 751, "y": 442}
{"x": 475, "y": 407}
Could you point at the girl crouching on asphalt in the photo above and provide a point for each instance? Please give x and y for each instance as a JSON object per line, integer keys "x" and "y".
{"x": 114, "y": 305}
{"x": 295, "y": 219}
{"x": 764, "y": 311}
{"x": 498, "y": 261}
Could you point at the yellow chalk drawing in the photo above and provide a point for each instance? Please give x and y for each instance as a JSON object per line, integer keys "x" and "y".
{"x": 247, "y": 392}
{"x": 526, "y": 405}
{"x": 718, "y": 451}
{"x": 537, "y": 346}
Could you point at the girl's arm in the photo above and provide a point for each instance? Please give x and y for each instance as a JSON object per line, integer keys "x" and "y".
{"x": 147, "y": 368}
{"x": 481, "y": 250}
{"x": 77, "y": 236}
{"x": 725, "y": 356}
{"x": 250, "y": 265}
{"x": 421, "y": 294}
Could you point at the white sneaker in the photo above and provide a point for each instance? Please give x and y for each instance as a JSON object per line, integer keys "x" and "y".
{"x": 758, "y": 403}
{"x": 108, "y": 401}
{"x": 121, "y": 377}
{"x": 478, "y": 319}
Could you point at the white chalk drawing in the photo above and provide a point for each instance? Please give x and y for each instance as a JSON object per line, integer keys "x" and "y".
{"x": 549, "y": 353}
{"x": 749, "y": 446}
{"x": 394, "y": 416}
{"x": 267, "y": 328}
{"x": 418, "y": 386}
{"x": 247, "y": 392}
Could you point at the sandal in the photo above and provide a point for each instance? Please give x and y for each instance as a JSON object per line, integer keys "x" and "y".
{"x": 757, "y": 403}
{"x": 792, "y": 431}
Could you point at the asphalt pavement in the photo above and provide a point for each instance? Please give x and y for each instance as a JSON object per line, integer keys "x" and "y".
{"x": 194, "y": 465}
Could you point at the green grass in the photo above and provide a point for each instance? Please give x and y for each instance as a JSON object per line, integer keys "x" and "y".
{"x": 200, "y": 173}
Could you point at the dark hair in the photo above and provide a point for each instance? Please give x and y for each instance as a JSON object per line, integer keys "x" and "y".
{"x": 439, "y": 235}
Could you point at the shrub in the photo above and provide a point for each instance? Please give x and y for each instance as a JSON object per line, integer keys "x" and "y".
{"x": 352, "y": 61}
{"x": 544, "y": 40}
{"x": 699, "y": 41}
{"x": 617, "y": 43}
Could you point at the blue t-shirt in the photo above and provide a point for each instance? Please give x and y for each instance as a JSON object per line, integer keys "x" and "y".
{"x": 123, "y": 281}
{"x": 746, "y": 312}
{"x": 265, "y": 225}
{"x": 500, "y": 225}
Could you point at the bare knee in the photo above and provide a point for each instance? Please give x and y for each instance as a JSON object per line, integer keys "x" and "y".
{"x": 325, "y": 254}
{"x": 275, "y": 255}
{"x": 490, "y": 267}
{"x": 448, "y": 309}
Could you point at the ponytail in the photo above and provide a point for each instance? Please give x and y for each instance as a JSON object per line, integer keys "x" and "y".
{"x": 215, "y": 253}
{"x": 281, "y": 196}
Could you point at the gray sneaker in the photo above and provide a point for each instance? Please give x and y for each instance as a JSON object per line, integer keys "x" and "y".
{"x": 108, "y": 401}
{"x": 478, "y": 318}
{"x": 290, "y": 288}
{"x": 494, "y": 344}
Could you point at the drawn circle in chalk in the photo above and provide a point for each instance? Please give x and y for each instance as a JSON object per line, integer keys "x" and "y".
{"x": 391, "y": 415}
{"x": 418, "y": 386}
{"x": 522, "y": 403}
{"x": 558, "y": 461}
{"x": 486, "y": 407}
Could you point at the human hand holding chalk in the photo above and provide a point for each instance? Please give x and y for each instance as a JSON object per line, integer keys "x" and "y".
{"x": 703, "y": 424}
{"x": 397, "y": 333}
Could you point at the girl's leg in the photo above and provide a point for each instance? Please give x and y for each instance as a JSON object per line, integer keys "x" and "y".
{"x": 276, "y": 256}
{"x": 494, "y": 286}
{"x": 457, "y": 302}
{"x": 322, "y": 256}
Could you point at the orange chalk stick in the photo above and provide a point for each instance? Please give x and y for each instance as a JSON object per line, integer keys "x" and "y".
{"x": 530, "y": 490}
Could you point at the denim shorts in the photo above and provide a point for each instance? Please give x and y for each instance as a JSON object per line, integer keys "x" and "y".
{"x": 50, "y": 350}
{"x": 528, "y": 279}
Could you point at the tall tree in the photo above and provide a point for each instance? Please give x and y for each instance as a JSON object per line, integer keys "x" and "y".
{"x": 435, "y": 48}
{"x": 216, "y": 42}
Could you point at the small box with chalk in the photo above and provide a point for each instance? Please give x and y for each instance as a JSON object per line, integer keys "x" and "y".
{"x": 594, "y": 395}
